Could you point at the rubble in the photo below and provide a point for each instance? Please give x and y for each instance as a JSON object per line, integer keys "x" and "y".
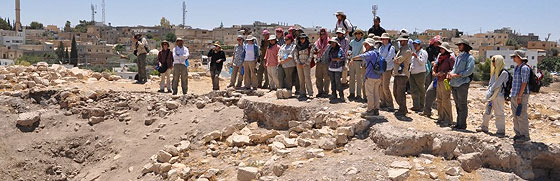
{"x": 28, "y": 119}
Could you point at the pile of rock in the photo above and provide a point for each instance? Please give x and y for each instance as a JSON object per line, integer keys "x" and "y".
{"x": 19, "y": 77}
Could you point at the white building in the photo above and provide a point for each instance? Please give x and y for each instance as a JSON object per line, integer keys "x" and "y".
{"x": 6, "y": 62}
{"x": 532, "y": 57}
{"x": 10, "y": 38}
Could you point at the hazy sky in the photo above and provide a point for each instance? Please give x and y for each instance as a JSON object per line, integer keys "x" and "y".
{"x": 470, "y": 16}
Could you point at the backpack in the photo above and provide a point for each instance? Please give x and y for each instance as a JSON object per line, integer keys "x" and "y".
{"x": 506, "y": 88}
{"x": 380, "y": 65}
{"x": 346, "y": 26}
{"x": 534, "y": 84}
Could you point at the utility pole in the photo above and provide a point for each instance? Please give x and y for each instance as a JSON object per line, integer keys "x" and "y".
{"x": 103, "y": 11}
{"x": 184, "y": 13}
{"x": 93, "y": 13}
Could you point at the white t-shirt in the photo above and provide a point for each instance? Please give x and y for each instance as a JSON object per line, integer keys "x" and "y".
{"x": 250, "y": 52}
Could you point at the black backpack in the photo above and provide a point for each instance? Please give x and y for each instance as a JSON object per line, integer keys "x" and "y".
{"x": 345, "y": 26}
{"x": 507, "y": 86}
{"x": 534, "y": 84}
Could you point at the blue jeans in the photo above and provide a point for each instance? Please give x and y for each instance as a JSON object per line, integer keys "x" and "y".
{"x": 336, "y": 85}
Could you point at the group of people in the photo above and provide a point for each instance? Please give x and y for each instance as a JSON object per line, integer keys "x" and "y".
{"x": 285, "y": 60}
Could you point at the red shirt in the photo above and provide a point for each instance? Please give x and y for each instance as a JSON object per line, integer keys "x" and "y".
{"x": 271, "y": 56}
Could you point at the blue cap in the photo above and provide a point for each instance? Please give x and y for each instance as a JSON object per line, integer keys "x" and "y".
{"x": 417, "y": 41}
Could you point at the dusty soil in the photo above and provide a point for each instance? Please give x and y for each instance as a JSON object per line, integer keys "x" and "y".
{"x": 64, "y": 146}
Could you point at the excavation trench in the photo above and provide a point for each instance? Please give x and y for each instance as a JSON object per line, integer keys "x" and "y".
{"x": 529, "y": 160}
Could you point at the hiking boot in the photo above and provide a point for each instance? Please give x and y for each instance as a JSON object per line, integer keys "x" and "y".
{"x": 161, "y": 91}
{"x": 351, "y": 97}
{"x": 376, "y": 112}
{"x": 500, "y": 134}
{"x": 367, "y": 114}
{"x": 482, "y": 129}
{"x": 521, "y": 139}
{"x": 459, "y": 127}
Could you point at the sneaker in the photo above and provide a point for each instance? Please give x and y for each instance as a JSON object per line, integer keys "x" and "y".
{"x": 482, "y": 129}
{"x": 367, "y": 114}
{"x": 161, "y": 91}
{"x": 351, "y": 97}
{"x": 376, "y": 112}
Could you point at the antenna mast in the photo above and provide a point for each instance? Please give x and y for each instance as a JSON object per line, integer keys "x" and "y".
{"x": 374, "y": 10}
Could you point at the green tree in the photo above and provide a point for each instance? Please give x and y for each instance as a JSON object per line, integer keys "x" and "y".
{"x": 68, "y": 27}
{"x": 149, "y": 36}
{"x": 170, "y": 37}
{"x": 482, "y": 71}
{"x": 60, "y": 51}
{"x": 551, "y": 64}
{"x": 36, "y": 25}
{"x": 512, "y": 42}
{"x": 82, "y": 27}
{"x": 119, "y": 48}
{"x": 5, "y": 25}
{"x": 74, "y": 53}
{"x": 165, "y": 23}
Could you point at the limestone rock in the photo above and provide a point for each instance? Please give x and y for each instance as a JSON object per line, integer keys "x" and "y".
{"x": 398, "y": 174}
{"x": 351, "y": 171}
{"x": 314, "y": 153}
{"x": 94, "y": 120}
{"x": 278, "y": 169}
{"x": 453, "y": 171}
{"x": 148, "y": 168}
{"x": 183, "y": 146}
{"x": 240, "y": 140}
{"x": 327, "y": 144}
{"x": 247, "y": 173}
{"x": 471, "y": 161}
{"x": 211, "y": 136}
{"x": 283, "y": 94}
{"x": 163, "y": 156}
{"x": 28, "y": 119}
{"x": 401, "y": 164}
{"x": 172, "y": 105}
{"x": 171, "y": 150}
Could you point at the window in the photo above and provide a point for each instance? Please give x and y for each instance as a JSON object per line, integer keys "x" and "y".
{"x": 532, "y": 57}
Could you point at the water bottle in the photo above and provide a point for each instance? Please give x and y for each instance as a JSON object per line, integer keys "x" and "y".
{"x": 489, "y": 108}
{"x": 519, "y": 108}
{"x": 446, "y": 83}
{"x": 435, "y": 83}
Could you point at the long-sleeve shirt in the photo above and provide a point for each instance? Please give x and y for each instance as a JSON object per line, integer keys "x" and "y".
{"x": 238, "y": 55}
{"x": 371, "y": 58}
{"x": 495, "y": 85}
{"x": 356, "y": 47}
{"x": 165, "y": 57}
{"x": 285, "y": 52}
{"x": 445, "y": 66}
{"x": 520, "y": 75}
{"x": 464, "y": 66}
{"x": 336, "y": 66}
{"x": 215, "y": 57}
{"x": 271, "y": 57}
{"x": 180, "y": 54}
{"x": 303, "y": 56}
{"x": 263, "y": 48}
{"x": 418, "y": 64}
{"x": 402, "y": 62}
{"x": 344, "y": 44}
{"x": 388, "y": 52}
{"x": 140, "y": 46}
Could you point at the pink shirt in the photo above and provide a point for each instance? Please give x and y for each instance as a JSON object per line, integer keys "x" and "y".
{"x": 271, "y": 56}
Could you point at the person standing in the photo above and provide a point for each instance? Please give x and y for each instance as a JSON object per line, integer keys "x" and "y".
{"x": 271, "y": 62}
{"x": 237, "y": 63}
{"x": 418, "y": 76}
{"x": 356, "y": 79}
{"x": 376, "y": 29}
{"x": 495, "y": 96}
{"x": 373, "y": 78}
{"x": 140, "y": 48}
{"x": 343, "y": 23}
{"x": 460, "y": 79}
{"x": 322, "y": 67}
{"x": 344, "y": 43}
{"x": 180, "y": 64}
{"x": 250, "y": 57}
{"x": 520, "y": 96}
{"x": 280, "y": 36}
{"x": 337, "y": 57}
{"x": 165, "y": 59}
{"x": 261, "y": 69}
{"x": 387, "y": 51}
{"x": 401, "y": 74}
{"x": 217, "y": 59}
{"x": 286, "y": 61}
{"x": 430, "y": 95}
{"x": 303, "y": 57}
{"x": 443, "y": 66}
